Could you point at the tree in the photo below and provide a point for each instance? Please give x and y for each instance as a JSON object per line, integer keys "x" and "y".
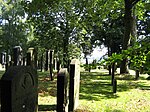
{"x": 13, "y": 25}
{"x": 128, "y": 22}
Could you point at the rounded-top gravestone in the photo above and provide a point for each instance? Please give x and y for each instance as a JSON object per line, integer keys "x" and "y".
{"x": 19, "y": 90}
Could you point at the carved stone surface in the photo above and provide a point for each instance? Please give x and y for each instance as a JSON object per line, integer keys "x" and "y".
{"x": 19, "y": 90}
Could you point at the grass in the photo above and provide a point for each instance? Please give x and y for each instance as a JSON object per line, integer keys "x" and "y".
{"x": 96, "y": 93}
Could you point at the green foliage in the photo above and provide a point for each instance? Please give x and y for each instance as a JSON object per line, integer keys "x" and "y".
{"x": 13, "y": 26}
{"x": 137, "y": 56}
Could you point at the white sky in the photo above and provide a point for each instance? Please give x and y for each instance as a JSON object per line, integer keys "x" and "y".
{"x": 96, "y": 54}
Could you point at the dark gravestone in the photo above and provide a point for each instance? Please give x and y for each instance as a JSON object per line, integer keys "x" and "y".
{"x": 8, "y": 62}
{"x": 41, "y": 63}
{"x": 58, "y": 65}
{"x": 32, "y": 57}
{"x": 17, "y": 55}
{"x": 51, "y": 53}
{"x": 19, "y": 90}
{"x": 74, "y": 84}
{"x": 29, "y": 59}
{"x": 62, "y": 90}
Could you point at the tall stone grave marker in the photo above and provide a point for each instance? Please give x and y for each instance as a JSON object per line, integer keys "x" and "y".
{"x": 62, "y": 90}
{"x": 51, "y": 55}
{"x": 17, "y": 55}
{"x": 19, "y": 91}
{"x": 74, "y": 84}
{"x": 32, "y": 57}
{"x": 3, "y": 58}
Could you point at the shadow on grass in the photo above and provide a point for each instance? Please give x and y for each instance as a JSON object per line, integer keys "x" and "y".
{"x": 96, "y": 86}
{"x": 46, "y": 108}
{"x": 46, "y": 87}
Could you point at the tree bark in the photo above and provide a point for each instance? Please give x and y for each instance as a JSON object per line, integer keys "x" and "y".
{"x": 109, "y": 54}
{"x": 127, "y": 32}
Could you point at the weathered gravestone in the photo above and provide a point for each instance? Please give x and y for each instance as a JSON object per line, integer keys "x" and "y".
{"x": 32, "y": 57}
{"x": 3, "y": 58}
{"x": 74, "y": 84}
{"x": 62, "y": 90}
{"x": 58, "y": 65}
{"x": 17, "y": 55}
{"x": 19, "y": 90}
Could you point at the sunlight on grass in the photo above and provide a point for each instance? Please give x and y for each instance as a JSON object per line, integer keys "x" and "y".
{"x": 96, "y": 93}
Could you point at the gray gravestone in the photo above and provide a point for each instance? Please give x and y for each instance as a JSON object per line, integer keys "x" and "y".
{"x": 19, "y": 90}
{"x": 17, "y": 50}
{"x": 3, "y": 58}
{"x": 62, "y": 90}
{"x": 74, "y": 84}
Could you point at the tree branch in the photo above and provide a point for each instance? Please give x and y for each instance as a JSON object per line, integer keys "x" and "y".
{"x": 134, "y": 2}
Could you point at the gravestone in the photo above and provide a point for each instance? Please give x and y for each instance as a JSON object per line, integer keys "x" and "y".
{"x": 3, "y": 58}
{"x": 24, "y": 61}
{"x": 17, "y": 55}
{"x": 8, "y": 62}
{"x": 74, "y": 84}
{"x": 32, "y": 57}
{"x": 19, "y": 90}
{"x": 62, "y": 90}
{"x": 58, "y": 65}
{"x": 51, "y": 53}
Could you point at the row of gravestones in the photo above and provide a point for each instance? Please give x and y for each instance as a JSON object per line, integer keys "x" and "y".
{"x": 19, "y": 89}
{"x": 30, "y": 59}
{"x": 17, "y": 58}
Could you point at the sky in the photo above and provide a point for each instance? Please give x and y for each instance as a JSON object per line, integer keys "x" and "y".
{"x": 96, "y": 54}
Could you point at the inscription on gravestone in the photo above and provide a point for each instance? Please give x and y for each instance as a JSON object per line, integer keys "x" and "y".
{"x": 19, "y": 90}
{"x": 74, "y": 84}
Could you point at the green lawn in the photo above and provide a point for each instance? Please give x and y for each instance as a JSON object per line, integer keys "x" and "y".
{"x": 96, "y": 93}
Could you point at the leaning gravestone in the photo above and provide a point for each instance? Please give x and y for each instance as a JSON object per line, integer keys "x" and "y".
{"x": 62, "y": 90}
{"x": 74, "y": 84}
{"x": 19, "y": 90}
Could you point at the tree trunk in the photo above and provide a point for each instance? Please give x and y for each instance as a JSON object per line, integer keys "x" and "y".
{"x": 109, "y": 67}
{"x": 127, "y": 32}
{"x": 137, "y": 74}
